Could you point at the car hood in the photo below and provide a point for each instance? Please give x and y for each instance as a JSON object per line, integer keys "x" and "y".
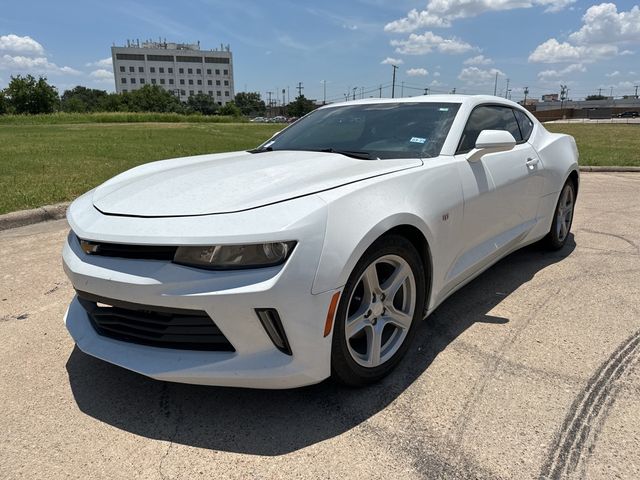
{"x": 232, "y": 182}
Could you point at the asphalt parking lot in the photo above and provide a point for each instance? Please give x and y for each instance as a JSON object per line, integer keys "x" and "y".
{"x": 531, "y": 371}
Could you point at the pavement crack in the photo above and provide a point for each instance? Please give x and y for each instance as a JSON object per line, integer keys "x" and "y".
{"x": 590, "y": 408}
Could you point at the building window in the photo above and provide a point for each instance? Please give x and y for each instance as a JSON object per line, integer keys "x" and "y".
{"x": 226, "y": 93}
{"x": 132, "y": 69}
{"x": 141, "y": 69}
{"x": 181, "y": 70}
{"x": 152, "y": 69}
{"x": 182, "y": 81}
{"x": 160, "y": 58}
{"x": 210, "y": 93}
{"x": 199, "y": 92}
{"x": 198, "y": 71}
{"x": 161, "y": 69}
{"x": 153, "y": 81}
{"x": 133, "y": 80}
{"x": 190, "y": 81}
{"x": 219, "y": 93}
{"x": 124, "y": 90}
{"x": 217, "y": 83}
{"x": 123, "y": 80}
{"x": 142, "y": 81}
{"x": 209, "y": 82}
{"x": 226, "y": 83}
{"x": 217, "y": 71}
{"x": 129, "y": 56}
{"x": 208, "y": 71}
{"x": 199, "y": 82}
{"x": 122, "y": 69}
{"x": 171, "y": 81}
{"x": 182, "y": 92}
{"x": 170, "y": 70}
{"x": 191, "y": 93}
{"x": 226, "y": 72}
{"x": 190, "y": 71}
{"x": 162, "y": 81}
{"x": 219, "y": 103}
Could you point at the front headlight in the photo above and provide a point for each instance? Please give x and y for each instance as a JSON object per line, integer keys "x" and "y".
{"x": 229, "y": 257}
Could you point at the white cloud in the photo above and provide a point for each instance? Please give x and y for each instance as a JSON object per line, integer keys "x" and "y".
{"x": 436, "y": 74}
{"x": 34, "y": 64}
{"x": 612, "y": 74}
{"x": 441, "y": 13}
{"x": 626, "y": 52}
{"x": 102, "y": 74}
{"x": 552, "y": 75}
{"x": 603, "y": 24}
{"x": 475, "y": 75}
{"x": 417, "y": 72}
{"x": 553, "y": 51}
{"x": 478, "y": 60}
{"x": 15, "y": 44}
{"x": 104, "y": 63}
{"x": 427, "y": 42}
{"x": 391, "y": 61}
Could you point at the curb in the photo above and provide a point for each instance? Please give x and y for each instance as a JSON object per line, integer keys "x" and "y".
{"x": 587, "y": 168}
{"x": 37, "y": 215}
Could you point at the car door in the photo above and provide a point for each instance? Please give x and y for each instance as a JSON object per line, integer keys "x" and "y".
{"x": 501, "y": 190}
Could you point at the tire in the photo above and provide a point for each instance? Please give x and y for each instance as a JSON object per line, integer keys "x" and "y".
{"x": 369, "y": 311}
{"x": 562, "y": 218}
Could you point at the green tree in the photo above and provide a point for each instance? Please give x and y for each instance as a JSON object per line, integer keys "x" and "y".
{"x": 595, "y": 97}
{"x": 202, "y": 103}
{"x": 4, "y": 105}
{"x": 230, "y": 109}
{"x": 82, "y": 99}
{"x": 300, "y": 106}
{"x": 151, "y": 98}
{"x": 250, "y": 103}
{"x": 112, "y": 102}
{"x": 28, "y": 95}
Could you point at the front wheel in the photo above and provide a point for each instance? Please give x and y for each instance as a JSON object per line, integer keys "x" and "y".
{"x": 380, "y": 306}
{"x": 562, "y": 218}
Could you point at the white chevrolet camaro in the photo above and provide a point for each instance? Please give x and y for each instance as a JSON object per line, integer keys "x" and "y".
{"x": 317, "y": 253}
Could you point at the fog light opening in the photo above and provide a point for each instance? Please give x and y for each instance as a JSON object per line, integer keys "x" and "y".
{"x": 272, "y": 324}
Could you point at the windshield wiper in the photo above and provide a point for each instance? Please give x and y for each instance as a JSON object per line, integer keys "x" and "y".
{"x": 260, "y": 150}
{"x": 348, "y": 153}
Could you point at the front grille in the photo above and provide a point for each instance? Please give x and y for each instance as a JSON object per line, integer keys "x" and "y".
{"x": 141, "y": 252}
{"x": 154, "y": 326}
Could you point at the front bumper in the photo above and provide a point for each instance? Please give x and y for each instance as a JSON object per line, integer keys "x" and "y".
{"x": 229, "y": 298}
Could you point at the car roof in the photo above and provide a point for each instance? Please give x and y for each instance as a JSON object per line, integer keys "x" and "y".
{"x": 469, "y": 100}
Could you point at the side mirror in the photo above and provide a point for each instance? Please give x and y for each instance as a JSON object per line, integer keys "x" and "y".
{"x": 491, "y": 141}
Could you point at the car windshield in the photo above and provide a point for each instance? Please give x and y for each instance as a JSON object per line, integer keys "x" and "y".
{"x": 370, "y": 131}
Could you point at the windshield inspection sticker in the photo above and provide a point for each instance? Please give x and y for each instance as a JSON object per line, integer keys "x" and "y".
{"x": 443, "y": 109}
{"x": 418, "y": 140}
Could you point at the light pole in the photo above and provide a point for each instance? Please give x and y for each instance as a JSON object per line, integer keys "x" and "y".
{"x": 354, "y": 92}
{"x": 526, "y": 92}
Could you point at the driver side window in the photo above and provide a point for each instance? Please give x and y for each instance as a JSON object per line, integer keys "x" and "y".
{"x": 488, "y": 117}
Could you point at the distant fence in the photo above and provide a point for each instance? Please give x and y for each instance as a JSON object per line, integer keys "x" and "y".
{"x": 570, "y": 113}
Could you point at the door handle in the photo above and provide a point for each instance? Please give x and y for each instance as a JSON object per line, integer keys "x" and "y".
{"x": 532, "y": 162}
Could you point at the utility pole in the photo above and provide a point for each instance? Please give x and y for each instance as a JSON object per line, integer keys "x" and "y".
{"x": 526, "y": 92}
{"x": 426, "y": 91}
{"x": 324, "y": 92}
{"x": 636, "y": 87}
{"x": 563, "y": 96}
{"x": 611, "y": 94}
{"x": 393, "y": 83}
{"x": 599, "y": 92}
{"x": 354, "y": 92}
{"x": 300, "y": 88}
{"x": 362, "y": 92}
{"x": 283, "y": 104}
{"x": 402, "y": 90}
{"x": 453, "y": 91}
{"x": 380, "y": 91}
{"x": 270, "y": 104}
{"x": 495, "y": 85}
{"x": 506, "y": 91}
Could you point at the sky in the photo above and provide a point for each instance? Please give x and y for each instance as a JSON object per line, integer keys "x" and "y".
{"x": 344, "y": 45}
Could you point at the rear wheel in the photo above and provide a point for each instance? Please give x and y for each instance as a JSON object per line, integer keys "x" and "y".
{"x": 380, "y": 306}
{"x": 562, "y": 218}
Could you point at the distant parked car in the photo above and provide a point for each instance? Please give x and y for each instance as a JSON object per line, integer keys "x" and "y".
{"x": 258, "y": 120}
{"x": 318, "y": 252}
{"x": 628, "y": 115}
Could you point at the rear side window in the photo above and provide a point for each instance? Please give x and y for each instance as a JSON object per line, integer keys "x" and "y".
{"x": 526, "y": 125}
{"x": 488, "y": 117}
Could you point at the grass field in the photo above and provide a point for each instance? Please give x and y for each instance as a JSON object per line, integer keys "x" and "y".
{"x": 44, "y": 164}
{"x": 47, "y": 162}
{"x": 604, "y": 144}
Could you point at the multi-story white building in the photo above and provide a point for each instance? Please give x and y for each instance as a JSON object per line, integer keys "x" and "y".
{"x": 182, "y": 69}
